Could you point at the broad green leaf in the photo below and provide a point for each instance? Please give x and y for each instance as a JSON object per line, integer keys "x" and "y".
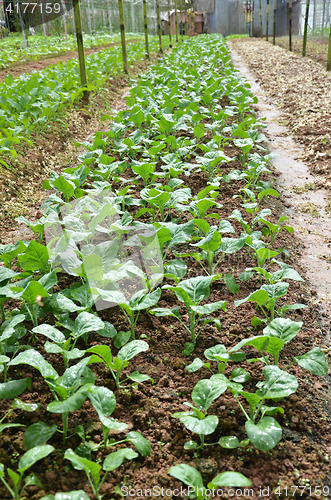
{"x": 231, "y": 283}
{"x": 142, "y": 444}
{"x": 239, "y": 375}
{"x": 205, "y": 426}
{"x": 33, "y": 455}
{"x": 37, "y": 434}
{"x": 265, "y": 434}
{"x": 35, "y": 359}
{"x": 210, "y": 308}
{"x": 84, "y": 464}
{"x": 14, "y": 388}
{"x": 283, "y": 328}
{"x": 313, "y": 361}
{"x": 21, "y": 405}
{"x": 50, "y": 332}
{"x": 230, "y": 478}
{"x": 115, "y": 460}
{"x": 72, "y": 403}
{"x": 229, "y": 442}
{"x": 35, "y": 257}
{"x": 187, "y": 474}
{"x": 206, "y": 391}
{"x": 259, "y": 296}
{"x": 217, "y": 350}
{"x": 132, "y": 349}
{"x": 87, "y": 322}
{"x": 196, "y": 365}
{"x": 103, "y": 351}
{"x": 279, "y": 383}
{"x": 102, "y": 399}
{"x": 260, "y": 342}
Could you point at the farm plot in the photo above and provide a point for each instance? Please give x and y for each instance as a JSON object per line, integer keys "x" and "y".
{"x": 201, "y": 376}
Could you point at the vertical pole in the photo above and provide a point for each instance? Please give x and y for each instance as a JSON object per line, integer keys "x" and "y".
{"x": 261, "y": 26}
{"x": 121, "y": 13}
{"x": 290, "y": 27}
{"x": 267, "y": 28}
{"x": 146, "y": 28}
{"x": 176, "y": 21}
{"x": 328, "y": 64}
{"x": 314, "y": 18}
{"x": 159, "y": 24}
{"x": 253, "y": 18}
{"x": 170, "y": 44}
{"x": 80, "y": 46}
{"x": 274, "y": 29}
{"x": 305, "y": 30}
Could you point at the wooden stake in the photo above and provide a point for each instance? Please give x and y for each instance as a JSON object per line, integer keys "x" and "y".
{"x": 181, "y": 19}
{"x": 267, "y": 29}
{"x": 80, "y": 47}
{"x": 146, "y": 28}
{"x": 323, "y": 17}
{"x": 159, "y": 24}
{"x": 304, "y": 46}
{"x": 121, "y": 13}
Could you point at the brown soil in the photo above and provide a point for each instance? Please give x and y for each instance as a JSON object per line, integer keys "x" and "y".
{"x": 316, "y": 49}
{"x": 300, "y": 88}
{"x": 300, "y": 459}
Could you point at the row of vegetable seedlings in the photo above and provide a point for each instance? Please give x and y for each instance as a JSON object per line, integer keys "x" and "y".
{"x": 98, "y": 232}
{"x": 29, "y": 102}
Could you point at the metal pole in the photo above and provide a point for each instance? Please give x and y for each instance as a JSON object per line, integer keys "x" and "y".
{"x": 121, "y": 13}
{"x": 146, "y": 28}
{"x": 159, "y": 24}
{"x": 253, "y": 18}
{"x": 305, "y": 30}
{"x": 314, "y": 18}
{"x": 290, "y": 27}
{"x": 89, "y": 14}
{"x": 267, "y": 29}
{"x": 80, "y": 46}
{"x": 93, "y": 17}
{"x": 274, "y": 29}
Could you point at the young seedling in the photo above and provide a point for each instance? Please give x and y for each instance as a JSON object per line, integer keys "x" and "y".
{"x": 196, "y": 420}
{"x": 193, "y": 479}
{"x": 92, "y": 469}
{"x": 219, "y": 354}
{"x": 191, "y": 292}
{"x": 102, "y": 354}
{"x": 26, "y": 461}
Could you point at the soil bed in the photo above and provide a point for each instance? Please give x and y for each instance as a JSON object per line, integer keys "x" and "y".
{"x": 302, "y": 458}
